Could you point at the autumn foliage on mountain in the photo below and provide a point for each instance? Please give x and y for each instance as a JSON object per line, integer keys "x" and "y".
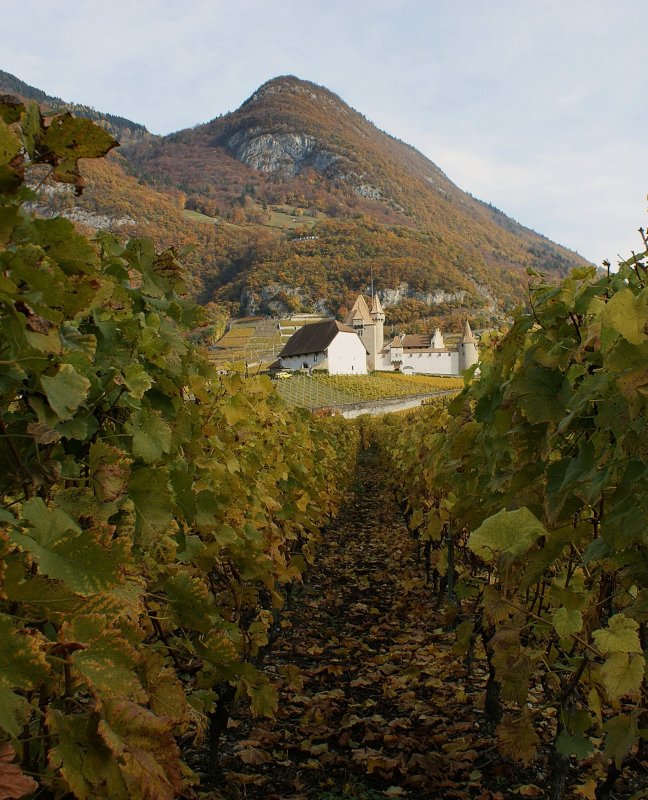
{"x": 293, "y": 200}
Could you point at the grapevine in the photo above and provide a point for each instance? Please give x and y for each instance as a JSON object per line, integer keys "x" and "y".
{"x": 535, "y": 479}
{"x": 153, "y": 513}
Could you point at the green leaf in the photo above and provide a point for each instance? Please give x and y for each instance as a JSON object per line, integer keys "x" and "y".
{"x": 10, "y": 109}
{"x": 621, "y": 636}
{"x": 83, "y": 759}
{"x": 66, "y": 140}
{"x": 65, "y": 391}
{"x": 107, "y": 661}
{"x": 263, "y": 696}
{"x": 567, "y": 622}
{"x": 10, "y": 144}
{"x": 150, "y": 493}
{"x": 621, "y": 734}
{"x": 575, "y": 744}
{"x": 78, "y": 558}
{"x": 14, "y": 712}
{"x": 510, "y": 532}
{"x": 8, "y": 220}
{"x": 137, "y": 380}
{"x": 109, "y": 471}
{"x": 72, "y": 252}
{"x": 190, "y": 601}
{"x": 538, "y": 393}
{"x": 151, "y": 435}
{"x": 32, "y": 129}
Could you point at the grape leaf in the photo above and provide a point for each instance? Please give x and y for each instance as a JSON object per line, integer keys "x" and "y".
{"x": 14, "y": 711}
{"x": 567, "y": 622}
{"x": 263, "y": 696}
{"x": 621, "y": 733}
{"x": 109, "y": 470}
{"x": 151, "y": 435}
{"x": 13, "y": 781}
{"x": 78, "y": 558}
{"x": 622, "y": 674}
{"x": 190, "y": 601}
{"x": 137, "y": 380}
{"x": 10, "y": 144}
{"x": 83, "y": 759}
{"x": 22, "y": 658}
{"x": 517, "y": 738}
{"x": 149, "y": 491}
{"x": 510, "y": 532}
{"x": 65, "y": 391}
{"x": 107, "y": 662}
{"x": 145, "y": 749}
{"x": 10, "y": 108}
{"x": 621, "y": 636}
{"x": 626, "y": 315}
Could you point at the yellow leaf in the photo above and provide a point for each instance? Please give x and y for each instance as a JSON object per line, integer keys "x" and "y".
{"x": 529, "y": 790}
{"x": 622, "y": 674}
{"x": 621, "y": 636}
{"x": 586, "y": 790}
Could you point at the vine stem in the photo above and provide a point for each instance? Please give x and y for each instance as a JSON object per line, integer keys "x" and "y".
{"x": 573, "y": 636}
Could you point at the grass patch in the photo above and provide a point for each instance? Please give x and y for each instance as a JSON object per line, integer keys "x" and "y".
{"x": 196, "y": 216}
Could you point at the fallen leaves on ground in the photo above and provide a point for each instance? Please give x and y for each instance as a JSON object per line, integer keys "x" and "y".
{"x": 373, "y": 700}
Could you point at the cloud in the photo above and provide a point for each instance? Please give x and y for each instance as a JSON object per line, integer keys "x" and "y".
{"x": 537, "y": 107}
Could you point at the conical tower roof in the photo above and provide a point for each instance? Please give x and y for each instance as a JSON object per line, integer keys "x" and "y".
{"x": 360, "y": 310}
{"x": 376, "y": 307}
{"x": 467, "y": 334}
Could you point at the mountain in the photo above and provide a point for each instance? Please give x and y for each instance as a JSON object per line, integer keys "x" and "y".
{"x": 296, "y": 201}
{"x": 124, "y": 130}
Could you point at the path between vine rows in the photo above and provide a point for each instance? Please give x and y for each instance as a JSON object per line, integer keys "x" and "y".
{"x": 373, "y": 703}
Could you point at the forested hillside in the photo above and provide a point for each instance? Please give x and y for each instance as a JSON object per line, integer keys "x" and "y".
{"x": 293, "y": 199}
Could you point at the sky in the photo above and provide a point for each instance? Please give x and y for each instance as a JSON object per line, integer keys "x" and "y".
{"x": 536, "y": 106}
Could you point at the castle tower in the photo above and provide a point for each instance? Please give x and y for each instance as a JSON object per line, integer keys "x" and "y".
{"x": 467, "y": 349}
{"x": 360, "y": 318}
{"x": 378, "y": 319}
{"x": 437, "y": 342}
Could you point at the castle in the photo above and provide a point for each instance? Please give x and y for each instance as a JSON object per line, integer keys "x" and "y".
{"x": 424, "y": 354}
{"x": 358, "y": 347}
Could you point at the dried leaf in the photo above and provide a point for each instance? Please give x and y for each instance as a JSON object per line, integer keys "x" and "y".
{"x": 13, "y": 782}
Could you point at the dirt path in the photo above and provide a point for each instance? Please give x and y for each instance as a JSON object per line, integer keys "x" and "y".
{"x": 372, "y": 702}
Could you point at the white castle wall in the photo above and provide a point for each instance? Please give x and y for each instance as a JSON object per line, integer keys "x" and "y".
{"x": 347, "y": 355}
{"x": 303, "y": 362}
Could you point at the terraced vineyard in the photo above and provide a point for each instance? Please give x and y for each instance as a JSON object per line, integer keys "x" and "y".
{"x": 256, "y": 341}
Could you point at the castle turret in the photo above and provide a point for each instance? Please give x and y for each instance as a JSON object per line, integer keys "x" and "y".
{"x": 467, "y": 349}
{"x": 362, "y": 322}
{"x": 437, "y": 342}
{"x": 378, "y": 318}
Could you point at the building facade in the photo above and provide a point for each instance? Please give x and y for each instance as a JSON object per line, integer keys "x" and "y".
{"x": 328, "y": 346}
{"x": 421, "y": 354}
{"x": 358, "y": 347}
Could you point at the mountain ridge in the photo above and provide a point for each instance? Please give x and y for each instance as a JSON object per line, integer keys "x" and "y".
{"x": 295, "y": 159}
